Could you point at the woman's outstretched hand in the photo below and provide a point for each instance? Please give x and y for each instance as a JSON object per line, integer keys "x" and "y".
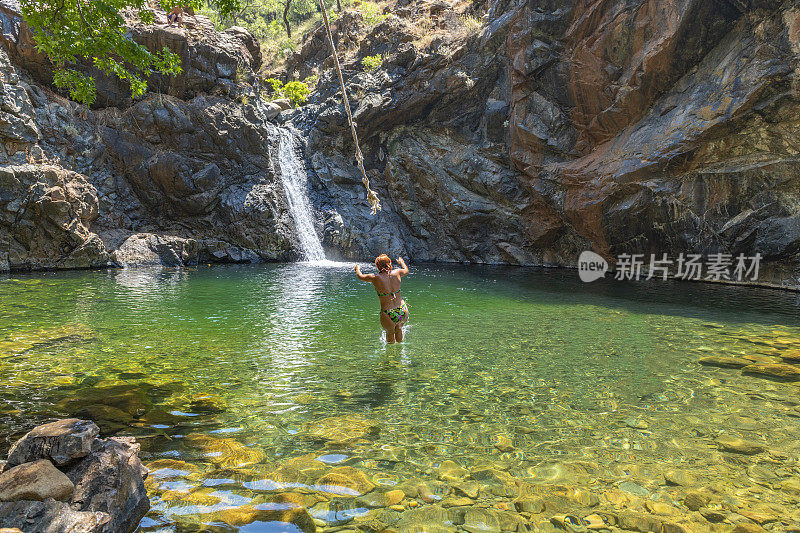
{"x": 404, "y": 269}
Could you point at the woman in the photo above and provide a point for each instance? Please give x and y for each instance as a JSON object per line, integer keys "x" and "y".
{"x": 175, "y": 16}
{"x": 394, "y": 312}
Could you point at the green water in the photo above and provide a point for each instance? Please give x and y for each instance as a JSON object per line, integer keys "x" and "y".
{"x": 219, "y": 373}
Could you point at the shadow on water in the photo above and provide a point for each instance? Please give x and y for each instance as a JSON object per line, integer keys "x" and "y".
{"x": 382, "y": 379}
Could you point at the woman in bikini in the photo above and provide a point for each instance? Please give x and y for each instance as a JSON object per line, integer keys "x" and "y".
{"x": 175, "y": 16}
{"x": 394, "y": 311}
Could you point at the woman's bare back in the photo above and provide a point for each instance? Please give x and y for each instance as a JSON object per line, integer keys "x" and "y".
{"x": 387, "y": 284}
{"x": 394, "y": 312}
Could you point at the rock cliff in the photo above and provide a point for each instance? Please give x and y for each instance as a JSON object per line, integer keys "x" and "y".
{"x": 622, "y": 127}
{"x": 185, "y": 175}
{"x": 554, "y": 127}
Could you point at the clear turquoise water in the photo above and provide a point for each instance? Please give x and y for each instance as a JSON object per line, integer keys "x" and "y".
{"x": 553, "y": 365}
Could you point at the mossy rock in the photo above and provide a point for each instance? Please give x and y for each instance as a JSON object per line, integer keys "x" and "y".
{"x": 428, "y": 519}
{"x": 791, "y": 356}
{"x": 303, "y": 469}
{"x": 43, "y": 337}
{"x": 202, "y": 496}
{"x": 225, "y": 453}
{"x": 245, "y": 515}
{"x": 724, "y": 361}
{"x": 290, "y": 499}
{"x": 342, "y": 429}
{"x": 778, "y": 371}
{"x": 451, "y": 471}
{"x": 208, "y": 405}
{"x": 731, "y": 444}
{"x": 130, "y": 398}
{"x": 345, "y": 481}
{"x": 477, "y": 520}
{"x": 377, "y": 499}
{"x": 109, "y": 419}
{"x": 175, "y": 465}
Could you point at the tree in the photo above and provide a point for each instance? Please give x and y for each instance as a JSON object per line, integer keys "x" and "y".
{"x": 72, "y": 33}
{"x": 286, "y": 18}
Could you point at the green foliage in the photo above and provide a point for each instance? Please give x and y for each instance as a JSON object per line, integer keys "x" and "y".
{"x": 277, "y": 86}
{"x": 69, "y": 31}
{"x": 371, "y": 13}
{"x": 264, "y": 18}
{"x": 296, "y": 91}
{"x": 372, "y": 62}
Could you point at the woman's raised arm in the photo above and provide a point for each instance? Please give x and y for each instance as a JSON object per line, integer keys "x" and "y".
{"x": 404, "y": 269}
{"x": 363, "y": 277}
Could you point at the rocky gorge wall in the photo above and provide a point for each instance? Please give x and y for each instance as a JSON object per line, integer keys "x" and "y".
{"x": 642, "y": 126}
{"x": 562, "y": 126}
{"x": 185, "y": 175}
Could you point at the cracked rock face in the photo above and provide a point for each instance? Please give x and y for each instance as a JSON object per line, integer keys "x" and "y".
{"x": 49, "y": 516}
{"x": 110, "y": 480}
{"x": 621, "y": 127}
{"x": 61, "y": 442}
{"x": 182, "y": 177}
{"x": 636, "y": 127}
{"x": 211, "y": 61}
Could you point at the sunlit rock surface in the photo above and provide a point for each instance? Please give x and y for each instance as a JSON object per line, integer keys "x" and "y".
{"x": 98, "y": 486}
{"x": 623, "y": 127}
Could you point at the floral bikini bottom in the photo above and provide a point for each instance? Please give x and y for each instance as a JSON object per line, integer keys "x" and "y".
{"x": 398, "y": 313}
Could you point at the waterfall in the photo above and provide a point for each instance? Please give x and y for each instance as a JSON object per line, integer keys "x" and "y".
{"x": 295, "y": 184}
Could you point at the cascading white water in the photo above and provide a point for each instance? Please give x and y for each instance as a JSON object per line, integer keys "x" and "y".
{"x": 295, "y": 184}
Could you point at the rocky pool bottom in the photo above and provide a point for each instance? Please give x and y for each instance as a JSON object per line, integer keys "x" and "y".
{"x": 523, "y": 400}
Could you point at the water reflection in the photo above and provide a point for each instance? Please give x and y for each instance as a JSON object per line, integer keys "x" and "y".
{"x": 296, "y": 305}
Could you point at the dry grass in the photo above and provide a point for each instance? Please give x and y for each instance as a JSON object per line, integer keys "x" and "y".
{"x": 275, "y": 51}
{"x": 471, "y": 23}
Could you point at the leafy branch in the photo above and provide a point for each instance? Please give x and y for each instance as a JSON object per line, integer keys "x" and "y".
{"x": 72, "y": 33}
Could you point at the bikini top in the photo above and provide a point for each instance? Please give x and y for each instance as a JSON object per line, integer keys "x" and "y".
{"x": 389, "y": 293}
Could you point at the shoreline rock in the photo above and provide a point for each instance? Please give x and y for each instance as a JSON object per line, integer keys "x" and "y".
{"x": 63, "y": 477}
{"x": 61, "y": 442}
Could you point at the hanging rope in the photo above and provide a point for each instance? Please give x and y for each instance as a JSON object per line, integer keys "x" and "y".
{"x": 373, "y": 199}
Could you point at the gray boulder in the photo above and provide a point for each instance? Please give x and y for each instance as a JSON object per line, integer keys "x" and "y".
{"x": 111, "y": 480}
{"x": 51, "y": 516}
{"x": 62, "y": 442}
{"x": 37, "y": 480}
{"x": 149, "y": 249}
{"x": 101, "y": 482}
